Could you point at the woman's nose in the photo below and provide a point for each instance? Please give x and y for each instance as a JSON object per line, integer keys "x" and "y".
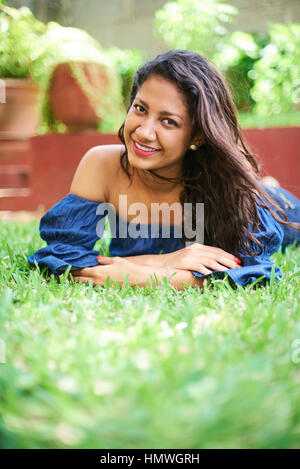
{"x": 147, "y": 130}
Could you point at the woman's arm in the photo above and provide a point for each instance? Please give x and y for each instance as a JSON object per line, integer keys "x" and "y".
{"x": 73, "y": 225}
{"x": 117, "y": 269}
{"x": 202, "y": 258}
{"x": 177, "y": 277}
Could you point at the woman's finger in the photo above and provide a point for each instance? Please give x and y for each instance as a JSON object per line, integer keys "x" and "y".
{"x": 215, "y": 252}
{"x": 79, "y": 279}
{"x": 201, "y": 269}
{"x": 76, "y": 272}
{"x": 225, "y": 261}
{"x": 82, "y": 279}
{"x": 230, "y": 261}
{"x": 208, "y": 262}
{"x": 105, "y": 260}
{"x": 85, "y": 272}
{"x": 218, "y": 267}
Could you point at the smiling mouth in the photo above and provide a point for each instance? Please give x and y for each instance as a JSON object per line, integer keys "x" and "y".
{"x": 143, "y": 150}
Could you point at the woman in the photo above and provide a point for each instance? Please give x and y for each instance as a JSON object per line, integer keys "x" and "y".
{"x": 182, "y": 148}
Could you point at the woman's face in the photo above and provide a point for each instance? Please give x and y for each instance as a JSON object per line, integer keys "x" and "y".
{"x": 158, "y": 127}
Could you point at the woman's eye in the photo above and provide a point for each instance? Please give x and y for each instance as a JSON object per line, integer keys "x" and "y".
{"x": 171, "y": 122}
{"x": 139, "y": 108}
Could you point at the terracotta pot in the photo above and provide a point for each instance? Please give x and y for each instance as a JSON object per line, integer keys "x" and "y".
{"x": 19, "y": 113}
{"x": 69, "y": 102}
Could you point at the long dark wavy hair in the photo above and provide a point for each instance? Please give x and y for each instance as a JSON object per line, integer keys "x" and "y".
{"x": 222, "y": 173}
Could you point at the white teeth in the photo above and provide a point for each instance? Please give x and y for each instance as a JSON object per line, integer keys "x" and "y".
{"x": 144, "y": 148}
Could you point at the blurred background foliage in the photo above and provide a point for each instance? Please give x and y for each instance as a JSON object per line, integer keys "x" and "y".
{"x": 31, "y": 49}
{"x": 261, "y": 68}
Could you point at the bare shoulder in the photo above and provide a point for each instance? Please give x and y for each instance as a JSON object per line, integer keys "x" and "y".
{"x": 95, "y": 172}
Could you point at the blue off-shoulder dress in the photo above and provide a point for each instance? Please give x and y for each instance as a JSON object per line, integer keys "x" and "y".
{"x": 72, "y": 227}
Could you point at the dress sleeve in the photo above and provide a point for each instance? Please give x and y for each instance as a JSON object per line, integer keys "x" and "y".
{"x": 291, "y": 206}
{"x": 70, "y": 228}
{"x": 270, "y": 234}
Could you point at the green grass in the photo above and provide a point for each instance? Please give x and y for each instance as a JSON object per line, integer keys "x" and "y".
{"x": 155, "y": 368}
{"x": 248, "y": 120}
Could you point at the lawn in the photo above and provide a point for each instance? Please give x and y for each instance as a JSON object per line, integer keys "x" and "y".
{"x": 86, "y": 367}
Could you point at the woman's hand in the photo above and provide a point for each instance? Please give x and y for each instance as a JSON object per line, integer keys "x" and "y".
{"x": 115, "y": 268}
{"x": 201, "y": 258}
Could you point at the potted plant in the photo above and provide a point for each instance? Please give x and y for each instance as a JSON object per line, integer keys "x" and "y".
{"x": 83, "y": 89}
{"x": 41, "y": 58}
{"x": 19, "y": 49}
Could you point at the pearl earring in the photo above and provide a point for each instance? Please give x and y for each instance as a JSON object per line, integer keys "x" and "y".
{"x": 193, "y": 147}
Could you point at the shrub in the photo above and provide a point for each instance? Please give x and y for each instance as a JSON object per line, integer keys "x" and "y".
{"x": 197, "y": 25}
{"x": 21, "y": 45}
{"x": 236, "y": 57}
{"x": 277, "y": 73}
{"x": 127, "y": 62}
{"x": 262, "y": 69}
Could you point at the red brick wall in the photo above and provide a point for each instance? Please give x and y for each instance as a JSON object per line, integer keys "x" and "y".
{"x": 46, "y": 164}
